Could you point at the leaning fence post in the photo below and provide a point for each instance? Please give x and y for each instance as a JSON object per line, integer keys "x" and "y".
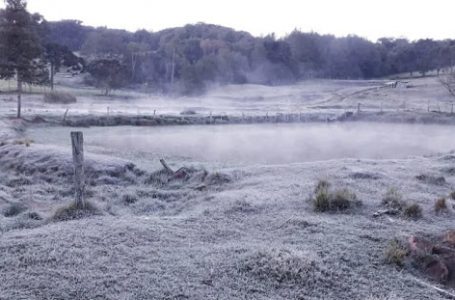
{"x": 77, "y": 140}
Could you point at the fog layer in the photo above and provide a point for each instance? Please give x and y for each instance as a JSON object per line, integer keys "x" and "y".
{"x": 264, "y": 144}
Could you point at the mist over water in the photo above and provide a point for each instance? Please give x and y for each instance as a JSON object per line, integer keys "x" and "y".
{"x": 262, "y": 144}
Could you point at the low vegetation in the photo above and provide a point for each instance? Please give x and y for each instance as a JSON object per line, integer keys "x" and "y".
{"x": 430, "y": 179}
{"x": 339, "y": 200}
{"x": 59, "y": 97}
{"x": 440, "y": 205}
{"x": 396, "y": 253}
{"x": 413, "y": 211}
{"x": 129, "y": 199}
{"x": 393, "y": 199}
{"x": 14, "y": 209}
{"x": 72, "y": 212}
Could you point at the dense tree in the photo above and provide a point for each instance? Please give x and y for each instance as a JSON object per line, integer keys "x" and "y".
{"x": 58, "y": 55}
{"x": 187, "y": 59}
{"x": 108, "y": 74}
{"x": 20, "y": 46}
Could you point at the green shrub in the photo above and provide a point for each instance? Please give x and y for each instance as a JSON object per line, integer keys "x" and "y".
{"x": 413, "y": 211}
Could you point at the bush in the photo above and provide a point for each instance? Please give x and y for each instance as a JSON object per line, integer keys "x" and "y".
{"x": 338, "y": 200}
{"x": 72, "y": 212}
{"x": 440, "y": 205}
{"x": 59, "y": 97}
{"x": 414, "y": 211}
{"x": 396, "y": 253}
{"x": 129, "y": 199}
{"x": 429, "y": 179}
{"x": 14, "y": 209}
{"x": 343, "y": 199}
{"x": 393, "y": 199}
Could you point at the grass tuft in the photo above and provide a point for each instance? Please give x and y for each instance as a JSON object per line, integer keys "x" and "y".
{"x": 14, "y": 209}
{"x": 413, "y": 211}
{"x": 440, "y": 205}
{"x": 394, "y": 199}
{"x": 396, "y": 253}
{"x": 339, "y": 200}
{"x": 129, "y": 199}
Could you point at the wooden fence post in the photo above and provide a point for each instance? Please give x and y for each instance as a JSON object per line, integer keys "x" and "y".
{"x": 77, "y": 140}
{"x": 358, "y": 108}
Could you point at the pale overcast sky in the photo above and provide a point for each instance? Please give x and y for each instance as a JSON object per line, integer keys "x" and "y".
{"x": 368, "y": 18}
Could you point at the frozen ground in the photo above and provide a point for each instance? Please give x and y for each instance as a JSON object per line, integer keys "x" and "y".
{"x": 245, "y": 230}
{"x": 328, "y": 96}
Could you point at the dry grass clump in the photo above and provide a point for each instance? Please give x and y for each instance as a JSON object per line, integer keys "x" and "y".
{"x": 440, "y": 205}
{"x": 73, "y": 212}
{"x": 413, "y": 211}
{"x": 338, "y": 200}
{"x": 394, "y": 202}
{"x": 59, "y": 97}
{"x": 394, "y": 199}
{"x": 26, "y": 142}
{"x": 280, "y": 266}
{"x": 129, "y": 199}
{"x": 13, "y": 210}
{"x": 396, "y": 253}
{"x": 429, "y": 179}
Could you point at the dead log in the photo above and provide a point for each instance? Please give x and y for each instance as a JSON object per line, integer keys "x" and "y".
{"x": 166, "y": 166}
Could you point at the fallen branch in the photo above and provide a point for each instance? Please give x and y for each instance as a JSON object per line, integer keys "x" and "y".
{"x": 65, "y": 114}
{"x": 166, "y": 167}
{"x": 437, "y": 289}
{"x": 389, "y": 212}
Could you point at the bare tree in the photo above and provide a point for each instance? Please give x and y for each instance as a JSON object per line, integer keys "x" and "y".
{"x": 448, "y": 82}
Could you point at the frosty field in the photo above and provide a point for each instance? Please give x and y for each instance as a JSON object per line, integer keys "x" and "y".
{"x": 240, "y": 223}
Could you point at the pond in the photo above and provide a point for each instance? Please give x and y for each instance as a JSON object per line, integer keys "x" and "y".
{"x": 259, "y": 144}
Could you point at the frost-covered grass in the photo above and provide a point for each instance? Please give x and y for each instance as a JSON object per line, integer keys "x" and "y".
{"x": 215, "y": 230}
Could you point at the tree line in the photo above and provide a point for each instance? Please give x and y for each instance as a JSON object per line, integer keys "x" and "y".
{"x": 189, "y": 59}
